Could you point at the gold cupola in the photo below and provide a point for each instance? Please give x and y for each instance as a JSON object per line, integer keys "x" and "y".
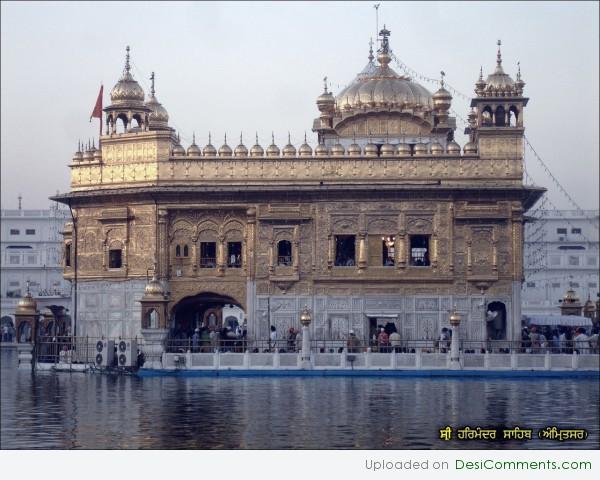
{"x": 403, "y": 150}
{"x": 305, "y": 149}
{"x": 321, "y": 150}
{"x": 178, "y": 150}
{"x": 337, "y": 150}
{"x": 272, "y": 150}
{"x": 257, "y": 150}
{"x": 240, "y": 150}
{"x": 289, "y": 150}
{"x": 453, "y": 148}
{"x": 127, "y": 91}
{"x": 225, "y": 150}
{"x": 436, "y": 148}
{"x": 421, "y": 149}
{"x": 194, "y": 150}
{"x": 159, "y": 117}
{"x": 209, "y": 149}
{"x": 78, "y": 155}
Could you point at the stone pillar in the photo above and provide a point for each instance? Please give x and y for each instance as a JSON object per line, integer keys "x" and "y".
{"x": 26, "y": 325}
{"x": 305, "y": 320}
{"x": 455, "y": 319}
{"x": 154, "y": 346}
{"x": 162, "y": 247}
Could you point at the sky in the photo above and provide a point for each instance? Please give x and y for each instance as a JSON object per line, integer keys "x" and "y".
{"x": 258, "y": 67}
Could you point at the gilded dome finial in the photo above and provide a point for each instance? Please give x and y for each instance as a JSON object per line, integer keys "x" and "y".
{"x": 193, "y": 137}
{"x": 481, "y": 72}
{"x": 325, "y": 84}
{"x": 152, "y": 84}
{"x": 127, "y": 66}
{"x": 442, "y": 74}
{"x": 289, "y": 140}
{"x": 209, "y": 139}
{"x": 499, "y": 55}
{"x": 305, "y": 136}
{"x": 256, "y": 138}
{"x": 225, "y": 138}
{"x": 241, "y": 141}
{"x": 371, "y": 57}
{"x": 273, "y": 138}
{"x": 518, "y": 71}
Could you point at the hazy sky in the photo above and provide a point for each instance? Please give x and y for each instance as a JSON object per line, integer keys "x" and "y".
{"x": 231, "y": 67}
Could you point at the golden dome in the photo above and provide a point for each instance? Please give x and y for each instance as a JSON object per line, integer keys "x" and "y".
{"x": 178, "y": 150}
{"x": 289, "y": 150}
{"x": 453, "y": 148}
{"x": 241, "y": 150}
{"x": 209, "y": 149}
{"x": 305, "y": 149}
{"x": 470, "y": 148}
{"x": 154, "y": 288}
{"x": 321, "y": 150}
{"x": 78, "y": 156}
{"x": 158, "y": 117}
{"x": 272, "y": 150}
{"x": 387, "y": 150}
{"x": 354, "y": 150}
{"x": 257, "y": 150}
{"x": 436, "y": 149}
{"x": 571, "y": 297}
{"x": 403, "y": 149}
{"x": 127, "y": 90}
{"x": 498, "y": 83}
{"x": 97, "y": 153}
{"x": 381, "y": 86}
{"x": 194, "y": 150}
{"x": 371, "y": 150}
{"x": 421, "y": 149}
{"x": 88, "y": 155}
{"x": 325, "y": 101}
{"x": 225, "y": 150}
{"x": 27, "y": 305}
{"x": 442, "y": 100}
{"x": 337, "y": 150}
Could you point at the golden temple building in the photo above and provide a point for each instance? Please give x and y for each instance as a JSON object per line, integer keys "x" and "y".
{"x": 387, "y": 220}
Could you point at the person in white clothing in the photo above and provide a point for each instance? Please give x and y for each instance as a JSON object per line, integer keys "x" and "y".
{"x": 581, "y": 341}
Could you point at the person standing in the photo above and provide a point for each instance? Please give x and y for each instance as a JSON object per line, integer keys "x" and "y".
{"x": 273, "y": 338}
{"x": 353, "y": 344}
{"x": 383, "y": 341}
{"x": 581, "y": 341}
{"x": 395, "y": 341}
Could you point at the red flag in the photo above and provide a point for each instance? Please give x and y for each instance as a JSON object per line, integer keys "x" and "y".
{"x": 97, "y": 113}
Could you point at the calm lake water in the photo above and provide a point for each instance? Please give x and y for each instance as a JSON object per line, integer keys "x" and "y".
{"x": 64, "y": 411}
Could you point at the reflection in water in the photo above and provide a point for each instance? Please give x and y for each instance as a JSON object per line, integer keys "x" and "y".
{"x": 49, "y": 410}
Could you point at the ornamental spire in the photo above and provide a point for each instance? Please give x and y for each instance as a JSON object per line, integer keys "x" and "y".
{"x": 325, "y": 85}
{"x": 499, "y": 55}
{"x": 371, "y": 57}
{"x": 152, "y": 84}
{"x": 519, "y": 71}
{"x": 127, "y": 66}
{"x": 442, "y": 74}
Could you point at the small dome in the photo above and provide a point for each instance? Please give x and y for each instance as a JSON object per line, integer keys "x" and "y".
{"x": 436, "y": 149}
{"x": 272, "y": 150}
{"x": 178, "y": 150}
{"x": 354, "y": 150}
{"x": 421, "y": 149}
{"x": 158, "y": 117}
{"x": 453, "y": 148}
{"x": 88, "y": 155}
{"x": 240, "y": 151}
{"x": 225, "y": 150}
{"x": 27, "y": 305}
{"x": 325, "y": 101}
{"x": 470, "y": 147}
{"x": 154, "y": 288}
{"x": 194, "y": 150}
{"x": 321, "y": 150}
{"x": 337, "y": 150}
{"x": 127, "y": 91}
{"x": 403, "y": 149}
{"x": 257, "y": 150}
{"x": 289, "y": 150}
{"x": 371, "y": 150}
{"x": 387, "y": 150}
{"x": 305, "y": 149}
{"x": 97, "y": 154}
{"x": 442, "y": 100}
{"x": 78, "y": 156}
{"x": 209, "y": 149}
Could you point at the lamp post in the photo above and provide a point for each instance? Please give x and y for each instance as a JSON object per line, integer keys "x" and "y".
{"x": 305, "y": 320}
{"x": 455, "y": 319}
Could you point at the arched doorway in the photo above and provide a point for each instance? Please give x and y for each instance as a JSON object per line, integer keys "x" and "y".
{"x": 496, "y": 321}
{"x": 7, "y": 329}
{"x": 204, "y": 311}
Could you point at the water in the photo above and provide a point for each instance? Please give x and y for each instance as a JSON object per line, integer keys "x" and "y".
{"x": 63, "y": 410}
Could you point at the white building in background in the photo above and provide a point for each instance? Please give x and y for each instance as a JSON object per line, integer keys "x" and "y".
{"x": 561, "y": 251}
{"x": 31, "y": 250}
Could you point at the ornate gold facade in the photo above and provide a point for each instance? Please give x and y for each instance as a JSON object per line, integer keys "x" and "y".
{"x": 162, "y": 208}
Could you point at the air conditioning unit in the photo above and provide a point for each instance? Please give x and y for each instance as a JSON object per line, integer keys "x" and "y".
{"x": 127, "y": 353}
{"x": 105, "y": 353}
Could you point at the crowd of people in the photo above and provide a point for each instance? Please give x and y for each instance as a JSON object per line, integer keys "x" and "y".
{"x": 559, "y": 339}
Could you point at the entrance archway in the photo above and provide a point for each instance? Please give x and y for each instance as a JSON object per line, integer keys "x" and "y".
{"x": 496, "y": 321}
{"x": 204, "y": 311}
{"x": 7, "y": 328}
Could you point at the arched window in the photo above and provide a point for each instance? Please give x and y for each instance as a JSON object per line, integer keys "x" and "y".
{"x": 121, "y": 127}
{"x": 486, "y": 116}
{"x": 513, "y": 116}
{"x": 186, "y": 251}
{"x": 178, "y": 251}
{"x": 500, "y": 117}
{"x": 152, "y": 319}
{"x": 284, "y": 253}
